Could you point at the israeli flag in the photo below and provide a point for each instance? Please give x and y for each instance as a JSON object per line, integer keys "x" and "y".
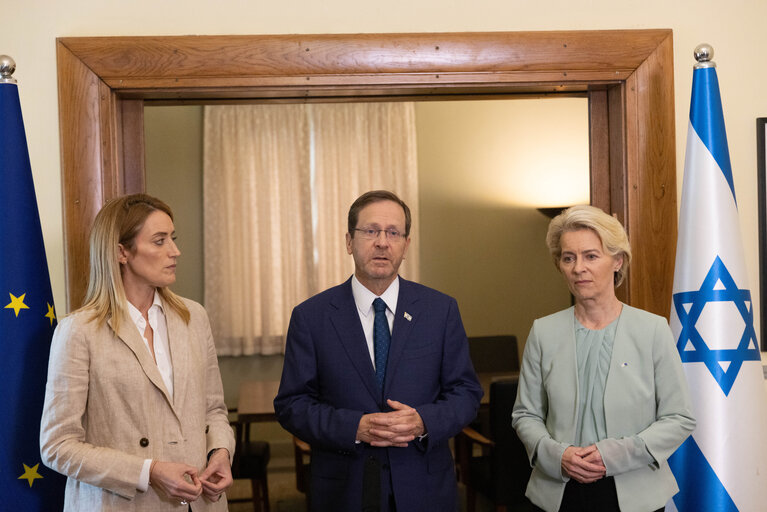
{"x": 722, "y": 467}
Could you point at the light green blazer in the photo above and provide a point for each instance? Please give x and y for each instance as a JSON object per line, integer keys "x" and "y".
{"x": 646, "y": 394}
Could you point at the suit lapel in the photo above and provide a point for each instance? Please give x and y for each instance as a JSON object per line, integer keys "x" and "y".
{"x": 408, "y": 313}
{"x": 346, "y": 322}
{"x": 131, "y": 337}
{"x": 618, "y": 354}
{"x": 569, "y": 371}
{"x": 178, "y": 336}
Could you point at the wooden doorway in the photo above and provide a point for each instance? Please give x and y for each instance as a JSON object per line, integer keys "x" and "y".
{"x": 627, "y": 76}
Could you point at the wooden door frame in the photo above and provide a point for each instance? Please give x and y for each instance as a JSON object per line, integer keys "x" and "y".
{"x": 627, "y": 76}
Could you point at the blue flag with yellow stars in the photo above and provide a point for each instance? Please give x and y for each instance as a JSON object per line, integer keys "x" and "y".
{"x": 722, "y": 466}
{"x": 27, "y": 320}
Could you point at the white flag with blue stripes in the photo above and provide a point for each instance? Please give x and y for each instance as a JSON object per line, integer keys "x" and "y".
{"x": 722, "y": 467}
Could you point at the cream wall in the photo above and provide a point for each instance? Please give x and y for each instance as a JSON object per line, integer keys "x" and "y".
{"x": 483, "y": 168}
{"x": 735, "y": 29}
{"x": 173, "y": 138}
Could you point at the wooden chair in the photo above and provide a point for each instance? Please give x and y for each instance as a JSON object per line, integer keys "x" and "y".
{"x": 502, "y": 469}
{"x": 250, "y": 462}
{"x": 302, "y": 453}
{"x": 494, "y": 355}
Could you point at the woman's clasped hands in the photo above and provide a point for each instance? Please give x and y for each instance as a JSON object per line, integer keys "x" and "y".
{"x": 181, "y": 481}
{"x": 175, "y": 480}
{"x": 584, "y": 465}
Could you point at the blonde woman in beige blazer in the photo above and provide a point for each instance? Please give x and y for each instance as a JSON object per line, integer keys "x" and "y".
{"x": 602, "y": 400}
{"x": 136, "y": 418}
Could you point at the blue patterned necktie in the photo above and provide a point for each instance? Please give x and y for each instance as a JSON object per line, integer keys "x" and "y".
{"x": 381, "y": 339}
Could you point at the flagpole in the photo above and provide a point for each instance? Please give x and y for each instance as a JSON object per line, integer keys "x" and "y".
{"x": 7, "y": 68}
{"x": 703, "y": 54}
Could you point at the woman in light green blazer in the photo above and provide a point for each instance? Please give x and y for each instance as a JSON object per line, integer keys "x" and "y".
{"x": 602, "y": 400}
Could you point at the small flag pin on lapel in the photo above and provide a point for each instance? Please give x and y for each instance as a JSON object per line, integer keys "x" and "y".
{"x": 624, "y": 365}
{"x": 407, "y": 316}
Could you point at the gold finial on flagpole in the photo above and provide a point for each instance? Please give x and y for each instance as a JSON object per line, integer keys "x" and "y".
{"x": 7, "y": 67}
{"x": 703, "y": 54}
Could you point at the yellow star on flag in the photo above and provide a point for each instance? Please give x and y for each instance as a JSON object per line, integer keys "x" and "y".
{"x": 17, "y": 303}
{"x": 50, "y": 314}
{"x": 30, "y": 474}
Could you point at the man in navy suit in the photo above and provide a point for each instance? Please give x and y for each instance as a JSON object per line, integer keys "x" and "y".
{"x": 379, "y": 439}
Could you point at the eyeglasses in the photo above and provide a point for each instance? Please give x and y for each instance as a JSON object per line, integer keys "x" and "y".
{"x": 372, "y": 234}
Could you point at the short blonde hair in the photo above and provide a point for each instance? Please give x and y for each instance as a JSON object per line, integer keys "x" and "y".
{"x": 118, "y": 222}
{"x": 610, "y": 231}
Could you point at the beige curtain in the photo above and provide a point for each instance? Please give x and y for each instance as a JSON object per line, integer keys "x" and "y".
{"x": 278, "y": 182}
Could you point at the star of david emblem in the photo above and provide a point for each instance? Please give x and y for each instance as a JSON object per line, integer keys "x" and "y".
{"x": 724, "y": 364}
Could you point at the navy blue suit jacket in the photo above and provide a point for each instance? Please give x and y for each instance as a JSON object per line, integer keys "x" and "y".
{"x": 328, "y": 383}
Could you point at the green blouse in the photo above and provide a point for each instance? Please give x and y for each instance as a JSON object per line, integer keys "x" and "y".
{"x": 593, "y": 351}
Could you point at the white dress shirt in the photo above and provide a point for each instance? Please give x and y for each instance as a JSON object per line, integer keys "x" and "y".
{"x": 364, "y": 298}
{"x": 161, "y": 354}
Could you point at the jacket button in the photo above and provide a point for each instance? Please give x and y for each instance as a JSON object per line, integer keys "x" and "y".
{"x": 144, "y": 442}
{"x": 207, "y": 428}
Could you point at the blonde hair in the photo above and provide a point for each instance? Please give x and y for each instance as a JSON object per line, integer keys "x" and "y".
{"x": 610, "y": 231}
{"x": 118, "y": 222}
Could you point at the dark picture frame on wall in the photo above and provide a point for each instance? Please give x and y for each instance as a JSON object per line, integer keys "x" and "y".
{"x": 761, "y": 164}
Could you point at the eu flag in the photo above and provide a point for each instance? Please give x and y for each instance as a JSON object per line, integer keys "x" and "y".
{"x": 722, "y": 467}
{"x": 27, "y": 320}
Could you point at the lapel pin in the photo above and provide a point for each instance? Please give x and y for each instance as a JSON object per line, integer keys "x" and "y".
{"x": 407, "y": 316}
{"x": 624, "y": 365}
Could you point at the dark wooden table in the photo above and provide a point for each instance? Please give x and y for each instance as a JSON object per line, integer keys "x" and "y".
{"x": 256, "y": 400}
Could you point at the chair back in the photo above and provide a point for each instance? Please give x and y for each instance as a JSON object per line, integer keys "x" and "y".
{"x": 510, "y": 467}
{"x": 494, "y": 354}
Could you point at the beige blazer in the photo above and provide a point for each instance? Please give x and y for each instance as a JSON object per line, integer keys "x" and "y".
{"x": 107, "y": 410}
{"x": 645, "y": 394}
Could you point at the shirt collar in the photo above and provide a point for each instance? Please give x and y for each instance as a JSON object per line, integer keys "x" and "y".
{"x": 135, "y": 314}
{"x": 363, "y": 298}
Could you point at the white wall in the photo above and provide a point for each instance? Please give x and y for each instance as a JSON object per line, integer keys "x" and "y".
{"x": 734, "y": 28}
{"x": 483, "y": 169}
{"x": 173, "y": 157}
